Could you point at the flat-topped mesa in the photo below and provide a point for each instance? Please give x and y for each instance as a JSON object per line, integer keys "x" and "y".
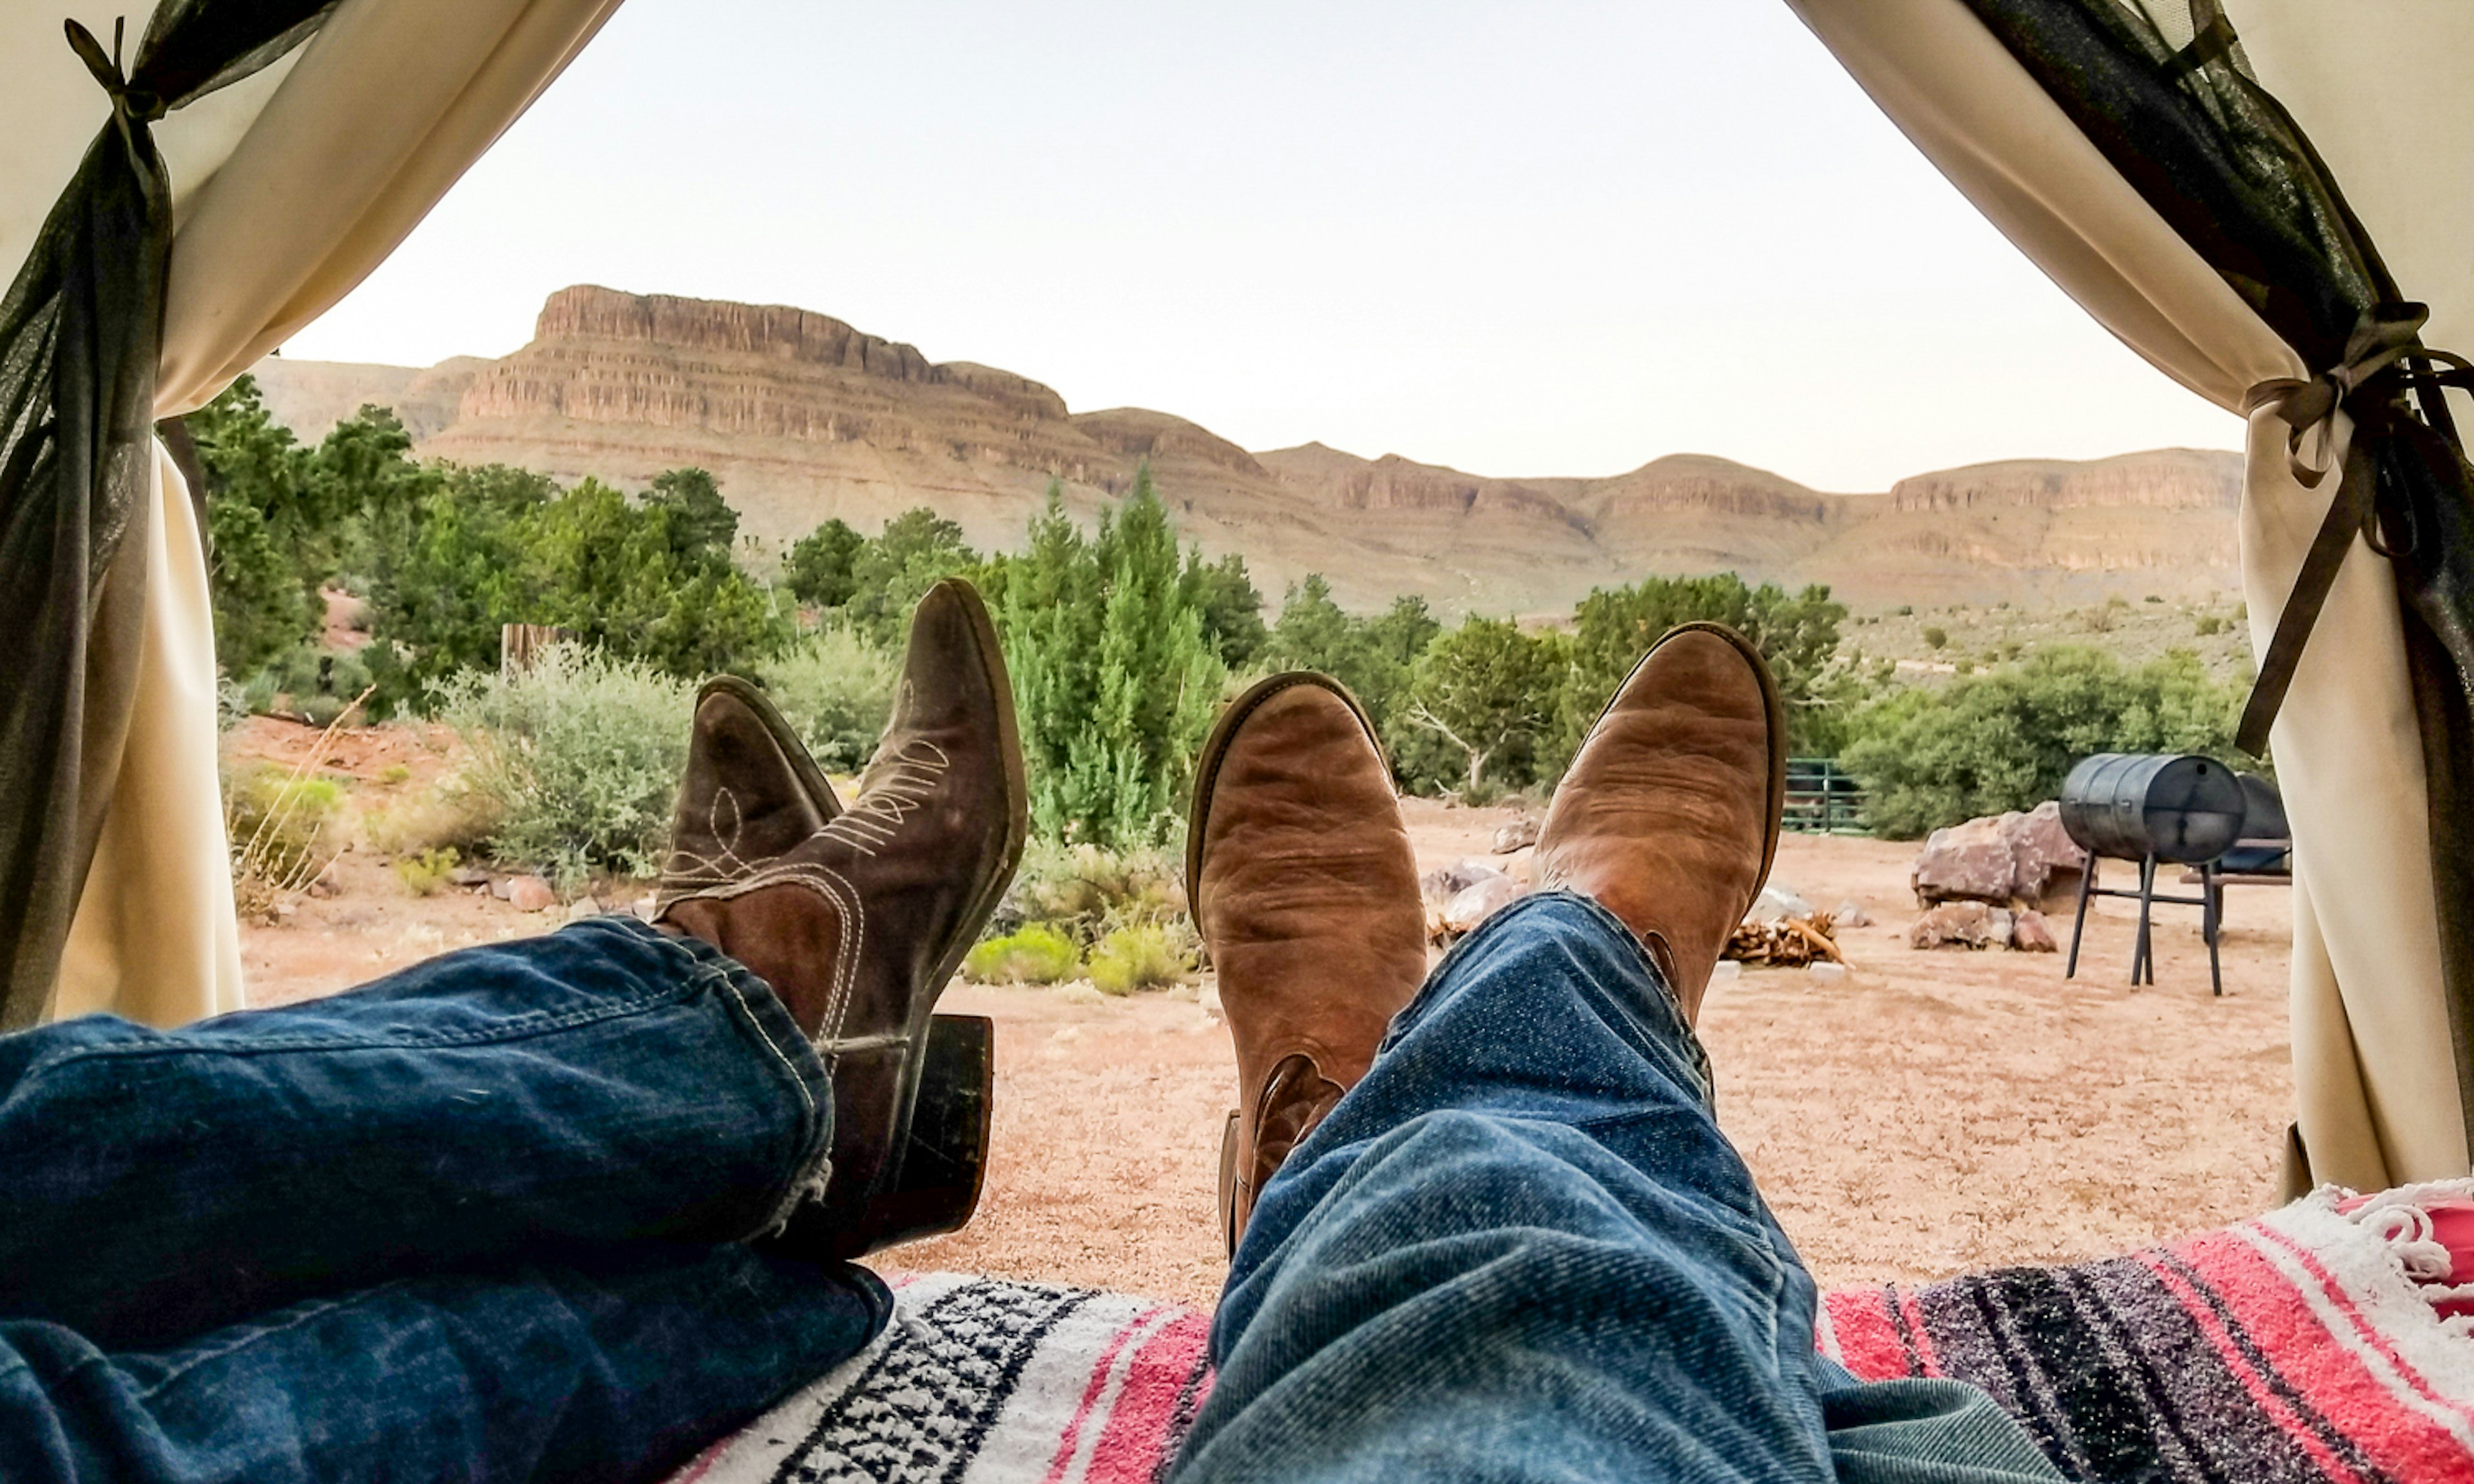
{"x": 2159, "y": 479}
{"x": 590, "y": 312}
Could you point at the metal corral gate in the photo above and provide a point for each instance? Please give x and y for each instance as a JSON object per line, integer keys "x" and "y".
{"x": 1822, "y": 800}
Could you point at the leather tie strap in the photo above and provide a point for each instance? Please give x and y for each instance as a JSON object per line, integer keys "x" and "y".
{"x": 140, "y": 104}
{"x": 2386, "y": 336}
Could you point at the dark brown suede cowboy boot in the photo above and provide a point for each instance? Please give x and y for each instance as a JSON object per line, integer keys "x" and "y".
{"x": 1669, "y": 815}
{"x": 858, "y": 922}
{"x": 1300, "y": 877}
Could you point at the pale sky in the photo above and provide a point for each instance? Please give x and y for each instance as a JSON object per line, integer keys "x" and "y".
{"x": 1559, "y": 238}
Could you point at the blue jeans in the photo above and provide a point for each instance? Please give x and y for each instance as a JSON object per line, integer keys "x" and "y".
{"x": 484, "y": 1219}
{"x": 1520, "y": 1249}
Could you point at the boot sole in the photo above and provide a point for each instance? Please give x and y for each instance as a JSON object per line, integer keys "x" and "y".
{"x": 811, "y": 779}
{"x": 1772, "y": 703}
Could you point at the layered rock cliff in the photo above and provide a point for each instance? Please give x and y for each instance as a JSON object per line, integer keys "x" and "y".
{"x": 802, "y": 415}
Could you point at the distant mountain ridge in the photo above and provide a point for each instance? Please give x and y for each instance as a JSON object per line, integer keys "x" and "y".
{"x": 802, "y": 415}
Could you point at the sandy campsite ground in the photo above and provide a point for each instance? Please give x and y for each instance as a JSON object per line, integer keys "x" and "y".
{"x": 1935, "y": 1110}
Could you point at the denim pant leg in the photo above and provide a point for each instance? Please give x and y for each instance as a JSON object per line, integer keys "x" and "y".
{"x": 603, "y": 1084}
{"x": 1520, "y": 1249}
{"x": 610, "y": 1370}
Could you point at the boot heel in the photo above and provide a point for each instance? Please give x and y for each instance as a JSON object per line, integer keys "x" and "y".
{"x": 946, "y": 1161}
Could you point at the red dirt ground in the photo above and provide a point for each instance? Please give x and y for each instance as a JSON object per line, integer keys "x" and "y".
{"x": 1933, "y": 1112}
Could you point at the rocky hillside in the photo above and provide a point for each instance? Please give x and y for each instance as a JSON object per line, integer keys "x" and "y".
{"x": 802, "y": 417}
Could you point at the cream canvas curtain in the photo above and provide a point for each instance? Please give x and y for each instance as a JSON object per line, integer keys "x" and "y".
{"x": 2379, "y": 85}
{"x": 287, "y": 194}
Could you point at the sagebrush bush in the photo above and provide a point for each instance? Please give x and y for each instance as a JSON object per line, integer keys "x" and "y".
{"x": 1086, "y": 891}
{"x": 1147, "y": 956}
{"x": 309, "y": 682}
{"x": 580, "y": 755}
{"x": 1037, "y": 954}
{"x": 835, "y": 685}
{"x": 450, "y": 815}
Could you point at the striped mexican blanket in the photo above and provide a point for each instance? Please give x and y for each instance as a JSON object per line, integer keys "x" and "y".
{"x": 2302, "y": 1347}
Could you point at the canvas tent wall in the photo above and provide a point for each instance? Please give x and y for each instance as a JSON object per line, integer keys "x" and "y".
{"x": 1994, "y": 92}
{"x": 288, "y": 170}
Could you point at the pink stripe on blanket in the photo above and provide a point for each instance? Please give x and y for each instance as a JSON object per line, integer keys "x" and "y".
{"x": 1098, "y": 1396}
{"x": 1869, "y": 1343}
{"x": 1162, "y": 1388}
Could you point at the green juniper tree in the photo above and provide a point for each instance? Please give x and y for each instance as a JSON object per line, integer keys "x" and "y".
{"x": 1115, "y": 678}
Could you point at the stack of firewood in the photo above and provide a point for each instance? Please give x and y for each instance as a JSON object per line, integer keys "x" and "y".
{"x": 1790, "y": 943}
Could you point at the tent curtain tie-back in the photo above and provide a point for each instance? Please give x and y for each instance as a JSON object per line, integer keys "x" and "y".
{"x": 141, "y": 105}
{"x": 2384, "y": 358}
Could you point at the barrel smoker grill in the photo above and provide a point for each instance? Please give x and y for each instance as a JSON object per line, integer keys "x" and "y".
{"x": 2155, "y": 809}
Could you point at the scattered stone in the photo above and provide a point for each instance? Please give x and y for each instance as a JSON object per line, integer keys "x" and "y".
{"x": 643, "y": 906}
{"x": 285, "y": 911}
{"x": 1466, "y": 911}
{"x": 1998, "y": 923}
{"x": 1521, "y": 866}
{"x": 1965, "y": 925}
{"x": 530, "y": 893}
{"x": 1522, "y": 831}
{"x": 1826, "y": 974}
{"x": 1070, "y": 1032}
{"x": 581, "y": 908}
{"x": 1850, "y": 913}
{"x": 2001, "y": 858}
{"x": 1446, "y": 882}
{"x": 1777, "y": 903}
{"x": 500, "y": 886}
{"x": 468, "y": 876}
{"x": 2031, "y": 933}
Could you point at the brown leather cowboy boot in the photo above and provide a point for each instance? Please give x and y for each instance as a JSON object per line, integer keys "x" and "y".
{"x": 1300, "y": 877}
{"x": 859, "y": 923}
{"x": 1669, "y": 815}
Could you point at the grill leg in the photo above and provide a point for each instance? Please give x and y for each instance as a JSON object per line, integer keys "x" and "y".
{"x": 2212, "y": 924}
{"x": 2078, "y": 925}
{"x": 2143, "y": 956}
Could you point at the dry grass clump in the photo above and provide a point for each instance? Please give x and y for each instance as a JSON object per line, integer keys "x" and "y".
{"x": 285, "y": 827}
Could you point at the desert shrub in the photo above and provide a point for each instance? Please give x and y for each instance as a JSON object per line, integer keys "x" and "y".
{"x": 283, "y": 827}
{"x": 1934, "y": 635}
{"x": 579, "y": 755}
{"x": 2004, "y": 740}
{"x": 1797, "y": 633}
{"x": 835, "y": 686}
{"x": 307, "y": 683}
{"x": 424, "y": 873}
{"x": 2207, "y": 624}
{"x": 1144, "y": 957}
{"x": 1086, "y": 891}
{"x": 393, "y": 772}
{"x": 1036, "y": 954}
